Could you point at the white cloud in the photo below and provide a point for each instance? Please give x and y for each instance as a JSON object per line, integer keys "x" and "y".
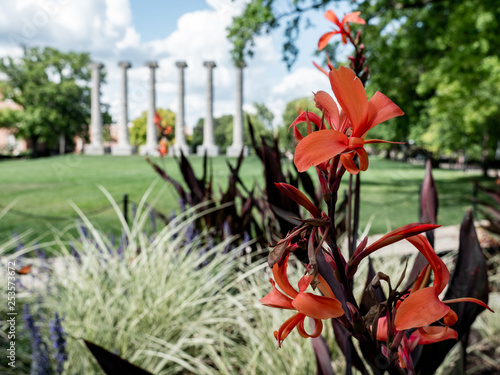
{"x": 105, "y": 29}
{"x": 302, "y": 82}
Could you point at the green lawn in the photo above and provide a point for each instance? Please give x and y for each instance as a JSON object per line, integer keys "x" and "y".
{"x": 44, "y": 188}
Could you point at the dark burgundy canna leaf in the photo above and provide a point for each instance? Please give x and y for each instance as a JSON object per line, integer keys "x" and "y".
{"x": 113, "y": 364}
{"x": 180, "y": 190}
{"x": 344, "y": 339}
{"x": 309, "y": 187}
{"x": 429, "y": 200}
{"x": 470, "y": 279}
{"x": 494, "y": 194}
{"x": 195, "y": 186}
{"x": 322, "y": 353}
{"x": 300, "y": 198}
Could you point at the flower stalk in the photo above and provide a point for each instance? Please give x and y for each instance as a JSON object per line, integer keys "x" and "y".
{"x": 334, "y": 144}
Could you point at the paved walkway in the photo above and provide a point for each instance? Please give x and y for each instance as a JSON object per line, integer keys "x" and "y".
{"x": 445, "y": 239}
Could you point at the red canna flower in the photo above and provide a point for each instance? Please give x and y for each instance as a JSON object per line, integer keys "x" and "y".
{"x": 157, "y": 119}
{"x": 348, "y": 128}
{"x": 343, "y": 27}
{"x": 423, "y": 306}
{"x": 306, "y": 304}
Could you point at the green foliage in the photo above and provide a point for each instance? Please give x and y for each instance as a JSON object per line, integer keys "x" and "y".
{"x": 261, "y": 17}
{"x": 439, "y": 62}
{"x": 52, "y": 87}
{"x": 9, "y": 118}
{"x": 138, "y": 129}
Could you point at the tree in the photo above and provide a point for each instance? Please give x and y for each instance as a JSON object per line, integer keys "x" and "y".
{"x": 437, "y": 59}
{"x": 139, "y": 127}
{"x": 53, "y": 88}
{"x": 260, "y": 17}
{"x": 440, "y": 64}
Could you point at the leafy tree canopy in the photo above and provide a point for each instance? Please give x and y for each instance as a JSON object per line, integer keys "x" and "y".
{"x": 263, "y": 16}
{"x": 437, "y": 59}
{"x": 53, "y": 88}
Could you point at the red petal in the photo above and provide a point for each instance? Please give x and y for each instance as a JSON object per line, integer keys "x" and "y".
{"x": 279, "y": 273}
{"x": 382, "y": 329}
{"x": 430, "y": 335}
{"x": 353, "y": 17}
{"x": 451, "y": 318}
{"x": 295, "y": 194}
{"x": 318, "y": 327}
{"x": 441, "y": 273}
{"x": 469, "y": 299}
{"x": 367, "y": 141}
{"x": 318, "y": 147}
{"x": 419, "y": 309}
{"x": 351, "y": 96}
{"x": 277, "y": 299}
{"x": 325, "y": 288}
{"x": 288, "y": 326}
{"x": 330, "y": 16}
{"x": 324, "y": 39}
{"x": 297, "y": 134}
{"x": 363, "y": 159}
{"x": 315, "y": 119}
{"x": 317, "y": 307}
{"x": 304, "y": 282}
{"x": 380, "y": 109}
{"x": 325, "y": 102}
{"x": 349, "y": 164}
{"x": 398, "y": 234}
{"x": 320, "y": 68}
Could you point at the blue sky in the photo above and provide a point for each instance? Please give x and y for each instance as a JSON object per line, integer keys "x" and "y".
{"x": 157, "y": 19}
{"x": 166, "y": 31}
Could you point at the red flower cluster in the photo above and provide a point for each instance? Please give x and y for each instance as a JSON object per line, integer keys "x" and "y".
{"x": 347, "y": 127}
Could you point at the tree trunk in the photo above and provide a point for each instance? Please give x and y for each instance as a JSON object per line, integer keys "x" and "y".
{"x": 34, "y": 146}
{"x": 484, "y": 154}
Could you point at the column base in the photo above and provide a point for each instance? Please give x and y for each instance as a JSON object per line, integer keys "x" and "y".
{"x": 175, "y": 150}
{"x": 235, "y": 151}
{"x": 93, "y": 149}
{"x": 211, "y": 150}
{"x": 123, "y": 150}
{"x": 149, "y": 150}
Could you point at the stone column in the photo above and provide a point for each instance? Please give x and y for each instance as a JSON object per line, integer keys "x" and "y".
{"x": 180, "y": 138}
{"x": 151, "y": 146}
{"x": 237, "y": 146}
{"x": 95, "y": 147}
{"x": 123, "y": 147}
{"x": 208, "y": 125}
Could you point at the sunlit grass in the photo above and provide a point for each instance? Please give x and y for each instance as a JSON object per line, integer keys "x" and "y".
{"x": 42, "y": 190}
